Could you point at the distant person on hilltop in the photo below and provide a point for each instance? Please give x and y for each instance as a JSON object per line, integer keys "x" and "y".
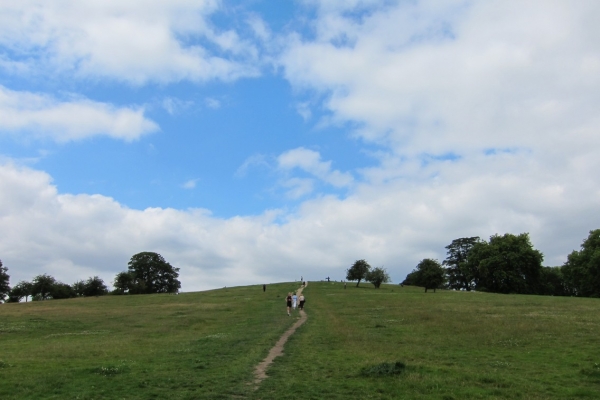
{"x": 288, "y": 301}
{"x": 302, "y": 300}
{"x": 294, "y": 300}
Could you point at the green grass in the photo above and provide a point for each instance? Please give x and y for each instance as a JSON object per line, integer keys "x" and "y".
{"x": 190, "y": 346}
{"x": 391, "y": 343}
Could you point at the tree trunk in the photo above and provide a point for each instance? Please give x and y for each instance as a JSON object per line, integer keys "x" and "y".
{"x": 357, "y": 283}
{"x": 425, "y": 290}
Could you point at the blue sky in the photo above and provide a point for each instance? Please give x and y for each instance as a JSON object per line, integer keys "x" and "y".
{"x": 249, "y": 142}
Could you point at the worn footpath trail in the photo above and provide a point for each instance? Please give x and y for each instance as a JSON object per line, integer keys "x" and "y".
{"x": 260, "y": 371}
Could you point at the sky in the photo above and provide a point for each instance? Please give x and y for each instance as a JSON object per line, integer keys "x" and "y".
{"x": 251, "y": 142}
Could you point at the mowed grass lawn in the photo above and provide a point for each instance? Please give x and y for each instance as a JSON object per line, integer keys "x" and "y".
{"x": 455, "y": 345}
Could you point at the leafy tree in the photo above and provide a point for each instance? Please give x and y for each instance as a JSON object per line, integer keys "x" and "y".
{"x": 460, "y": 276}
{"x": 358, "y": 271}
{"x": 19, "y": 291}
{"x": 94, "y": 287}
{"x": 429, "y": 274}
{"x": 152, "y": 274}
{"x": 582, "y": 269}
{"x": 506, "y": 264}
{"x": 124, "y": 283}
{"x": 78, "y": 288}
{"x": 552, "y": 282}
{"x": 410, "y": 279}
{"x": 377, "y": 276}
{"x": 4, "y": 280}
{"x": 62, "y": 291}
{"x": 41, "y": 287}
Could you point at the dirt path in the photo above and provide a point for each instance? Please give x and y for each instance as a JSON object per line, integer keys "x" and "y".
{"x": 260, "y": 371}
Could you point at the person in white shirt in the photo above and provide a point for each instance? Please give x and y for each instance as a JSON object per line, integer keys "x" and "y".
{"x": 294, "y": 300}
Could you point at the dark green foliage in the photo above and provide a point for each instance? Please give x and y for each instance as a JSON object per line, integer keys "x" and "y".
{"x": 41, "y": 287}
{"x": 377, "y": 276}
{"x": 429, "y": 274}
{"x": 384, "y": 369}
{"x": 552, "y": 282}
{"x": 123, "y": 283}
{"x": 582, "y": 269}
{"x": 62, "y": 291}
{"x": 4, "y": 282}
{"x": 460, "y": 273}
{"x": 358, "y": 271}
{"x": 148, "y": 273}
{"x": 94, "y": 286}
{"x": 410, "y": 279}
{"x": 19, "y": 291}
{"x": 506, "y": 264}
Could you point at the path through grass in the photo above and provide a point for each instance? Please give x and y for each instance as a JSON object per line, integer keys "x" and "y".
{"x": 358, "y": 343}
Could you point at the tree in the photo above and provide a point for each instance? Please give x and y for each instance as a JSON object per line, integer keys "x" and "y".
{"x": 410, "y": 279}
{"x": 19, "y": 291}
{"x": 4, "y": 280}
{"x": 41, "y": 287}
{"x": 94, "y": 287}
{"x": 152, "y": 274}
{"x": 377, "y": 276}
{"x": 506, "y": 264}
{"x": 460, "y": 276}
{"x": 358, "y": 271}
{"x": 429, "y": 274}
{"x": 582, "y": 269}
{"x": 78, "y": 288}
{"x": 123, "y": 283}
{"x": 62, "y": 291}
{"x": 552, "y": 282}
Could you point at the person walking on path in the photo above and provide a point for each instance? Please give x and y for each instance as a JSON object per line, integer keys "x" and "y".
{"x": 302, "y": 300}
{"x": 294, "y": 301}
{"x": 288, "y": 301}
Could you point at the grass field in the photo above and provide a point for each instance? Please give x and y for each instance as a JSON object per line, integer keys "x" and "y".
{"x": 455, "y": 345}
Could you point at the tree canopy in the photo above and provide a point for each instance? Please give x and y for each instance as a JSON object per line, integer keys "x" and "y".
{"x": 4, "y": 282}
{"x": 377, "y": 276}
{"x": 148, "y": 272}
{"x": 506, "y": 264}
{"x": 19, "y": 291}
{"x": 461, "y": 274}
{"x": 428, "y": 274}
{"x": 582, "y": 269}
{"x": 358, "y": 271}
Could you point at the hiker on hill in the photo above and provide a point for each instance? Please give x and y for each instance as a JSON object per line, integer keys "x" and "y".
{"x": 294, "y": 300}
{"x": 288, "y": 301}
{"x": 302, "y": 300}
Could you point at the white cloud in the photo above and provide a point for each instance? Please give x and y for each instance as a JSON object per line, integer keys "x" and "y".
{"x": 191, "y": 184}
{"x": 134, "y": 41}
{"x": 310, "y": 161}
{"x": 67, "y": 120}
{"x": 394, "y": 224}
{"x": 175, "y": 106}
{"x": 462, "y": 76}
{"x": 212, "y": 103}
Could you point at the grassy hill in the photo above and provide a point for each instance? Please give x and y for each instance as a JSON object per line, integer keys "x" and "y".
{"x": 455, "y": 345}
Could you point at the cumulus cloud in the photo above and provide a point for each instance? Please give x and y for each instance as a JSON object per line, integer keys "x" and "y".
{"x": 310, "y": 161}
{"x": 462, "y": 76}
{"x": 67, "y": 120}
{"x": 394, "y": 224}
{"x": 134, "y": 41}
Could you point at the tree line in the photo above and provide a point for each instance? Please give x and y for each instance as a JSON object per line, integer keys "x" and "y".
{"x": 147, "y": 273}
{"x": 510, "y": 264}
